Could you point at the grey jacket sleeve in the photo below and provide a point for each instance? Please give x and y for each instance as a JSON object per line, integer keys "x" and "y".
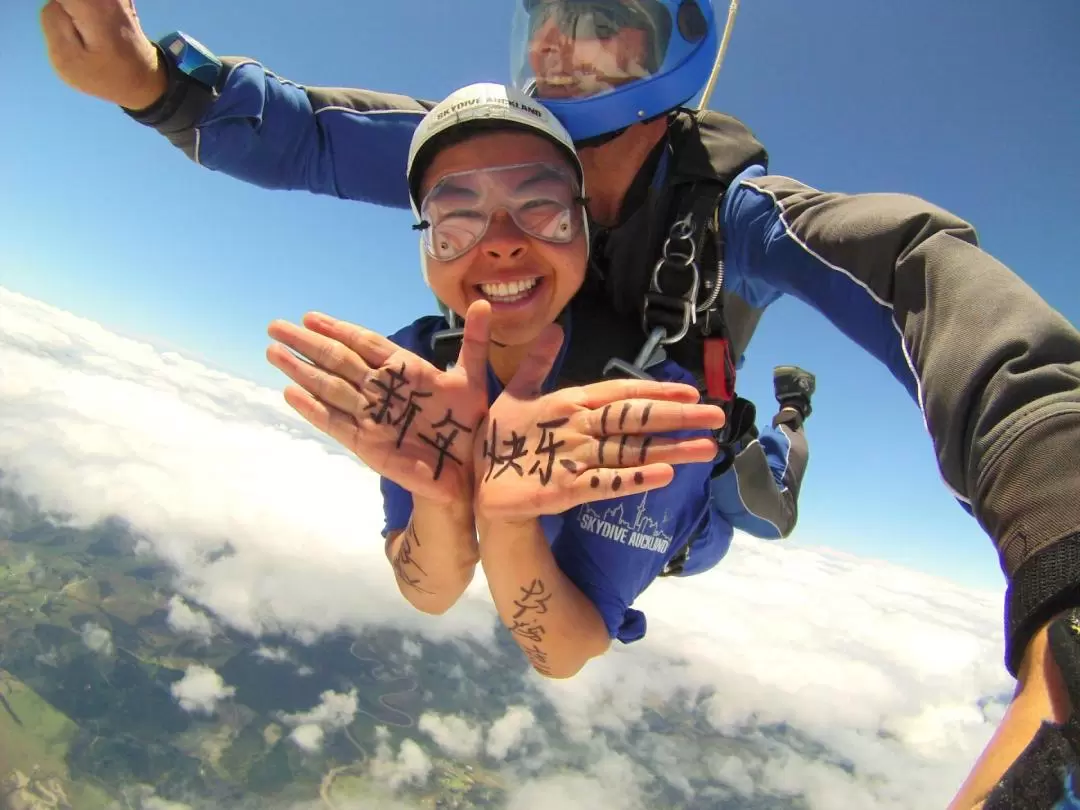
{"x": 994, "y": 368}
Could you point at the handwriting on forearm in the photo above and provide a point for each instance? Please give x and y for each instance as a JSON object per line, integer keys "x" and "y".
{"x": 406, "y": 567}
{"x": 532, "y": 602}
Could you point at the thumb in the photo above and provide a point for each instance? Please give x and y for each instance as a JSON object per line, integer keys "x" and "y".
{"x": 475, "y": 345}
{"x": 528, "y": 381}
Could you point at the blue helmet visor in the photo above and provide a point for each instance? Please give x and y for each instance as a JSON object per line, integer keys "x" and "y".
{"x": 563, "y": 49}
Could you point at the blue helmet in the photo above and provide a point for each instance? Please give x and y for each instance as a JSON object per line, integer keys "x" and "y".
{"x": 602, "y": 65}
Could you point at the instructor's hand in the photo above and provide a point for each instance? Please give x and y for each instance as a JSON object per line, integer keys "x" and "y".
{"x": 99, "y": 48}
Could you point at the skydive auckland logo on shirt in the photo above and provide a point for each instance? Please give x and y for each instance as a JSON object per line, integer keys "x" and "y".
{"x": 641, "y": 532}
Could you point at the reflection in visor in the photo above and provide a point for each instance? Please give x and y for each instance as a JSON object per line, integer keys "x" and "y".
{"x": 543, "y": 200}
{"x": 585, "y": 25}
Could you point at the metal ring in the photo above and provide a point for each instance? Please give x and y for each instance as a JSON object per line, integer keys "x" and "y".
{"x": 688, "y": 317}
{"x": 689, "y": 263}
{"x": 683, "y": 228}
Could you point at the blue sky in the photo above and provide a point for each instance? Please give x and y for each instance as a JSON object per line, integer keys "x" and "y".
{"x": 974, "y": 111}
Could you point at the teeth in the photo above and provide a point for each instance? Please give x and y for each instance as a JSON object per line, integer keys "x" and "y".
{"x": 508, "y": 290}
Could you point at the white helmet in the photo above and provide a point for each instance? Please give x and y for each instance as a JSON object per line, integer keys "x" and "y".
{"x": 484, "y": 105}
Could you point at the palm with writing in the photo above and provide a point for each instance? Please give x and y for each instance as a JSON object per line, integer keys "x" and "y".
{"x": 402, "y": 416}
{"x": 544, "y": 454}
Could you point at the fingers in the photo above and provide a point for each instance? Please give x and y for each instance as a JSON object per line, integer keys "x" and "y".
{"x": 625, "y": 451}
{"x": 596, "y": 395}
{"x": 96, "y": 21}
{"x": 370, "y": 346}
{"x": 475, "y": 344}
{"x": 328, "y": 353}
{"x": 327, "y": 387}
{"x": 333, "y": 422}
{"x": 534, "y": 369}
{"x": 649, "y": 416}
{"x": 61, "y": 35}
{"x": 414, "y": 475}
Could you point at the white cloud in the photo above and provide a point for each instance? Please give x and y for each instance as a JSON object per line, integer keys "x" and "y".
{"x": 97, "y": 638}
{"x": 200, "y": 690}
{"x": 309, "y": 736}
{"x": 157, "y": 803}
{"x": 454, "y": 735}
{"x": 335, "y": 711}
{"x": 844, "y": 681}
{"x": 508, "y": 731}
{"x": 609, "y": 784}
{"x": 410, "y": 766}
{"x": 96, "y": 425}
{"x": 189, "y": 621}
{"x": 276, "y": 654}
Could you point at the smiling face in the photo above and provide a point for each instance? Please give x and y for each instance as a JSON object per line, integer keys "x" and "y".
{"x": 508, "y": 229}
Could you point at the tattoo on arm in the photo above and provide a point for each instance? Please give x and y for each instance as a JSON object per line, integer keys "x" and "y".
{"x": 406, "y": 568}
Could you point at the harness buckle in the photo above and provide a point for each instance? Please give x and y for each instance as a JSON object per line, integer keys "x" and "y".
{"x": 617, "y": 367}
{"x": 681, "y": 258}
{"x": 446, "y": 346}
{"x": 689, "y": 317}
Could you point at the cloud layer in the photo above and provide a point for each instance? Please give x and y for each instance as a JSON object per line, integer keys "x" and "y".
{"x": 819, "y": 679}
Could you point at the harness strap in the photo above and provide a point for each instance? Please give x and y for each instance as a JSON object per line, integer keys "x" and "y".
{"x": 671, "y": 302}
{"x": 719, "y": 369}
{"x": 446, "y": 346}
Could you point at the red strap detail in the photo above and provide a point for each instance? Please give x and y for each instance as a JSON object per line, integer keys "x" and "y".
{"x": 719, "y": 370}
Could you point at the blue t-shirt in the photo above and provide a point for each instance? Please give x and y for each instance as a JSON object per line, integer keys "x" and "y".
{"x": 611, "y": 549}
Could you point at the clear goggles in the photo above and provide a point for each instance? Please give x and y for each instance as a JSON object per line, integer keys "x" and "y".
{"x": 543, "y": 200}
{"x": 581, "y": 48}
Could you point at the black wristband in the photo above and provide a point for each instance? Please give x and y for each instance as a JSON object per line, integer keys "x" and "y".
{"x": 1045, "y": 585}
{"x": 181, "y": 106}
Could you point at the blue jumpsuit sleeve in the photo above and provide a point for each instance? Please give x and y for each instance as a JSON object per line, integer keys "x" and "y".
{"x": 765, "y": 259}
{"x": 273, "y": 133}
{"x": 397, "y": 506}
